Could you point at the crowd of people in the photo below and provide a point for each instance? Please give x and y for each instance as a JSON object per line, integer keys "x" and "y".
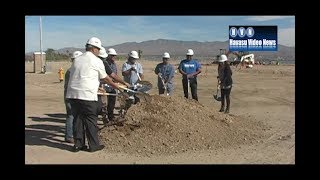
{"x": 96, "y": 70}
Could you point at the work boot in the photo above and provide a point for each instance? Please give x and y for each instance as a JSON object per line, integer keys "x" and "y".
{"x": 100, "y": 147}
{"x": 111, "y": 117}
{"x": 221, "y": 109}
{"x": 227, "y": 110}
{"x": 69, "y": 140}
{"x": 77, "y": 149}
{"x": 105, "y": 120}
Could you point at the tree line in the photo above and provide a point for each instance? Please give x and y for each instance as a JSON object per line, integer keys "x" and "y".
{"x": 51, "y": 55}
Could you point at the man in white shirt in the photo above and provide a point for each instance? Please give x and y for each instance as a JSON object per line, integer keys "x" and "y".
{"x": 132, "y": 71}
{"x": 86, "y": 73}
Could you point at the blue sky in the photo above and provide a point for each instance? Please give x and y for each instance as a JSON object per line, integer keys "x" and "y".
{"x": 73, "y": 31}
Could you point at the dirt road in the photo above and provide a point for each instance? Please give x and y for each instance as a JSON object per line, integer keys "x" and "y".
{"x": 263, "y": 93}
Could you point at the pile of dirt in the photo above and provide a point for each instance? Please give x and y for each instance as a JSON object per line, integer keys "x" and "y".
{"x": 168, "y": 125}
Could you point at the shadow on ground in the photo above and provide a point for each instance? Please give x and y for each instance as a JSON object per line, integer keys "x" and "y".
{"x": 45, "y": 135}
{"x": 48, "y": 119}
{"x": 57, "y": 115}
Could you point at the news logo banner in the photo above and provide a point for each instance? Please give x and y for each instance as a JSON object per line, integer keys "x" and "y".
{"x": 253, "y": 38}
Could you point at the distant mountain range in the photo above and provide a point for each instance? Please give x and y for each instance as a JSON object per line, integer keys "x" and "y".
{"x": 179, "y": 48}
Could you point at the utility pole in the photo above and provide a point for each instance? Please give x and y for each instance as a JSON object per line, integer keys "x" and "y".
{"x": 42, "y": 68}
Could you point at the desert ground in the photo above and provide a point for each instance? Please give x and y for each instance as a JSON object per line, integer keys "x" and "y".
{"x": 262, "y": 95}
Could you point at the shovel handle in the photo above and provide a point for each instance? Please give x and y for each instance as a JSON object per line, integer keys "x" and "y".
{"x": 107, "y": 94}
{"x": 164, "y": 84}
{"x": 139, "y": 76}
{"x": 127, "y": 89}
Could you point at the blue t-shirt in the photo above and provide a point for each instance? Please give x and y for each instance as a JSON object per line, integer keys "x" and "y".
{"x": 189, "y": 66}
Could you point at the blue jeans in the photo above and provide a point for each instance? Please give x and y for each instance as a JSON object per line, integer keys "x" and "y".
{"x": 69, "y": 120}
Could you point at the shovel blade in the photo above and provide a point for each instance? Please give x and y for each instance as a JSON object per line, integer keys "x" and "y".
{"x": 217, "y": 98}
{"x": 143, "y": 96}
{"x": 145, "y": 86}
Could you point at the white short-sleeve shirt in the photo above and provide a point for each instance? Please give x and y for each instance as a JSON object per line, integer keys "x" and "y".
{"x": 85, "y": 74}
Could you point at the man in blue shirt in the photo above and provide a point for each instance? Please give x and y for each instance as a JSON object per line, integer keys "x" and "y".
{"x": 190, "y": 68}
{"x": 165, "y": 72}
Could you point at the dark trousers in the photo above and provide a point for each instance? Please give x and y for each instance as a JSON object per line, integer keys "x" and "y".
{"x": 193, "y": 86}
{"x": 225, "y": 96}
{"x": 111, "y": 104}
{"x": 101, "y": 106}
{"x": 85, "y": 122}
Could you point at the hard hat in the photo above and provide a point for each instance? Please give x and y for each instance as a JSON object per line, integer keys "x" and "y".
{"x": 103, "y": 53}
{"x": 111, "y": 51}
{"x": 166, "y": 55}
{"x": 76, "y": 54}
{"x": 134, "y": 54}
{"x": 223, "y": 58}
{"x": 190, "y": 52}
{"x": 95, "y": 42}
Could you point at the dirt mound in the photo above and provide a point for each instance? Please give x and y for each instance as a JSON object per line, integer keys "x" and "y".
{"x": 168, "y": 125}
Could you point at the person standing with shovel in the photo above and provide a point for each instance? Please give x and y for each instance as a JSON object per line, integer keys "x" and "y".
{"x": 86, "y": 73}
{"x": 108, "y": 104}
{"x": 132, "y": 72}
{"x": 165, "y": 72}
{"x": 225, "y": 82}
{"x": 190, "y": 68}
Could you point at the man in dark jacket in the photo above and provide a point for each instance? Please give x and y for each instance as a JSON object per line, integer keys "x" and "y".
{"x": 225, "y": 82}
{"x": 106, "y": 109}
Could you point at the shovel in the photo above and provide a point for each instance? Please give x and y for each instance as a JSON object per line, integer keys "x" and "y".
{"x": 139, "y": 94}
{"x": 163, "y": 84}
{"x": 216, "y": 97}
{"x": 138, "y": 76}
{"x": 107, "y": 94}
{"x": 189, "y": 88}
{"x": 143, "y": 86}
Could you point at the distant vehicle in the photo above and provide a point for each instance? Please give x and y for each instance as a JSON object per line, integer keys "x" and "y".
{"x": 242, "y": 57}
{"x": 248, "y": 60}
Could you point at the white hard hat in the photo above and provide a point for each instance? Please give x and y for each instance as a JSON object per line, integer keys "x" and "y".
{"x": 134, "y": 54}
{"x": 190, "y": 52}
{"x": 166, "y": 55}
{"x": 111, "y": 51}
{"x": 76, "y": 54}
{"x": 223, "y": 58}
{"x": 103, "y": 53}
{"x": 95, "y": 42}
